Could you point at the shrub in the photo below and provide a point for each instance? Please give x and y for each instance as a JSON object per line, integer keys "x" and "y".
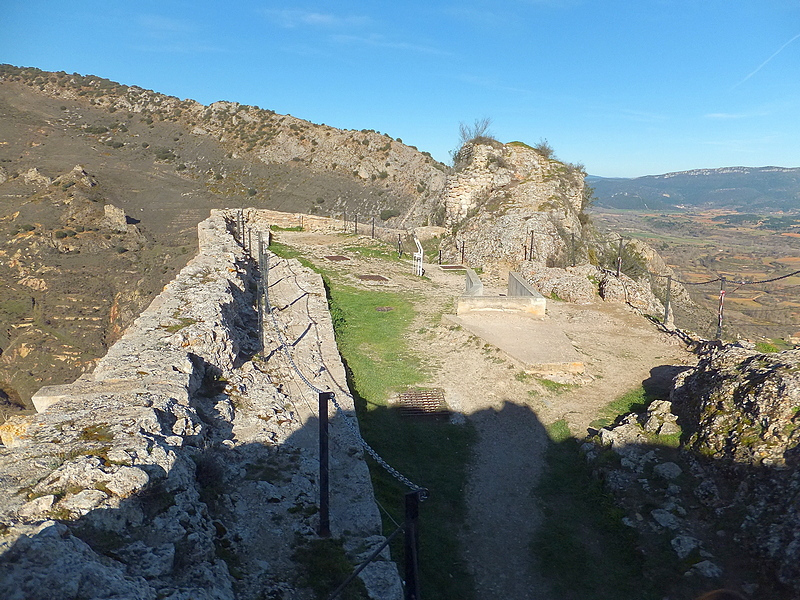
{"x": 251, "y": 192}
{"x": 388, "y": 213}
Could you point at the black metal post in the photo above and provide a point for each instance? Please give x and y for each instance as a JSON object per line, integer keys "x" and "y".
{"x": 463, "y": 244}
{"x": 525, "y": 251}
{"x": 412, "y": 546}
{"x": 324, "y": 506}
{"x": 619, "y": 256}
{"x": 440, "y": 256}
{"x": 531, "y": 247}
{"x": 399, "y": 247}
{"x": 666, "y": 302}
{"x": 373, "y": 228}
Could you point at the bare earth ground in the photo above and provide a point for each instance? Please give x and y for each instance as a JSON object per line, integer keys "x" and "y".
{"x": 621, "y": 351}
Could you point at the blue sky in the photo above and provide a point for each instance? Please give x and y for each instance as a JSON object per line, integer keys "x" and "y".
{"x": 626, "y": 88}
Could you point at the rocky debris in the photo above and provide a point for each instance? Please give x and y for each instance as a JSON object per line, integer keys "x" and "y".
{"x": 34, "y": 177}
{"x": 183, "y": 466}
{"x": 732, "y": 488}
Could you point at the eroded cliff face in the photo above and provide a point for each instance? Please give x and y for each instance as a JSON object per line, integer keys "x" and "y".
{"x": 512, "y": 208}
{"x": 185, "y": 465}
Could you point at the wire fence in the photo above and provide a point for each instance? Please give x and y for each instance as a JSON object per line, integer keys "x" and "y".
{"x": 267, "y": 313}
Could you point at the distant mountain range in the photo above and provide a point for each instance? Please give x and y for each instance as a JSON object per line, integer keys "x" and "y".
{"x": 755, "y": 188}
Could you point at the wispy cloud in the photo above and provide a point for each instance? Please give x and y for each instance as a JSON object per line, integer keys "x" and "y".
{"x": 173, "y": 36}
{"x": 293, "y": 18}
{"x": 380, "y": 41}
{"x": 159, "y": 27}
{"x": 735, "y": 116}
{"x": 762, "y": 65}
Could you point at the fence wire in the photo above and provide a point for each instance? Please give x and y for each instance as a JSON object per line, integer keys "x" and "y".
{"x": 268, "y": 310}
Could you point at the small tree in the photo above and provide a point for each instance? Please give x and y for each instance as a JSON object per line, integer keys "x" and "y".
{"x": 477, "y": 133}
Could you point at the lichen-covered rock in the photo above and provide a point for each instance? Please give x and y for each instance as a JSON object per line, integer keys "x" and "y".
{"x": 743, "y": 406}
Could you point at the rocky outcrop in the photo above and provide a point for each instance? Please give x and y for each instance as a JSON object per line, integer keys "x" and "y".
{"x": 729, "y": 494}
{"x": 183, "y": 466}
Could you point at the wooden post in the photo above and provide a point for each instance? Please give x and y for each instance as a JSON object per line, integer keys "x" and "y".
{"x": 324, "y": 505}
{"x": 412, "y": 546}
{"x": 666, "y": 302}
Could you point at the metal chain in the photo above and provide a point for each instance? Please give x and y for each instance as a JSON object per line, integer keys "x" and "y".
{"x": 353, "y": 429}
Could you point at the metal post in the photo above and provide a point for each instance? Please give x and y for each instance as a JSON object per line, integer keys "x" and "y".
{"x": 721, "y": 307}
{"x": 412, "y": 546}
{"x": 324, "y": 506}
{"x": 463, "y": 244}
{"x": 525, "y": 251}
{"x": 531, "y": 246}
{"x": 666, "y": 302}
{"x": 399, "y": 247}
{"x": 619, "y": 256}
{"x": 250, "y": 242}
{"x": 573, "y": 249}
{"x": 440, "y": 256}
{"x": 261, "y": 283}
{"x": 373, "y": 228}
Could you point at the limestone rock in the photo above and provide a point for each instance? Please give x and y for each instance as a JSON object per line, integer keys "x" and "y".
{"x": 115, "y": 218}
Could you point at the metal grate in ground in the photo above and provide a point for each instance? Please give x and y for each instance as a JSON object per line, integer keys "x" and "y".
{"x": 422, "y": 403}
{"x": 372, "y": 278}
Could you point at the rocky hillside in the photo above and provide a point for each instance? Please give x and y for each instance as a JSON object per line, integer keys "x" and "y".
{"x": 86, "y": 248}
{"x": 183, "y": 466}
{"x": 511, "y": 207}
{"x": 710, "y": 475}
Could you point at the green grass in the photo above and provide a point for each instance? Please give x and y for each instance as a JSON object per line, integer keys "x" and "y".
{"x": 633, "y": 401}
{"x": 371, "y": 341}
{"x": 279, "y": 228}
{"x": 431, "y": 453}
{"x": 582, "y": 548}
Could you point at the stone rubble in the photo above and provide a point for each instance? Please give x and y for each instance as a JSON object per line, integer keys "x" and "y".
{"x": 185, "y": 465}
{"x": 732, "y": 487}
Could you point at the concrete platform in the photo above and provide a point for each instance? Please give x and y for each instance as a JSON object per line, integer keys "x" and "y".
{"x": 538, "y": 344}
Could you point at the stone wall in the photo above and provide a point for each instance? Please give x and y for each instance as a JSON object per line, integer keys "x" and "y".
{"x": 185, "y": 465}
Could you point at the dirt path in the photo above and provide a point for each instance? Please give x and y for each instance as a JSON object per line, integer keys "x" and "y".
{"x": 509, "y": 410}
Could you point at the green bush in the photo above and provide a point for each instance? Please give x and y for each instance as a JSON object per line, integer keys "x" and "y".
{"x": 388, "y": 213}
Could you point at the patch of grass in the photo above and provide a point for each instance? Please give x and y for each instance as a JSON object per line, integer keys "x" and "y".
{"x": 183, "y": 322}
{"x": 372, "y": 342}
{"x": 767, "y": 347}
{"x": 279, "y": 228}
{"x": 633, "y": 401}
{"x": 583, "y": 549}
{"x": 554, "y": 386}
{"x": 324, "y": 566}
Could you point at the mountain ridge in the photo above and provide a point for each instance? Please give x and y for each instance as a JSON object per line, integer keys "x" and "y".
{"x": 768, "y": 188}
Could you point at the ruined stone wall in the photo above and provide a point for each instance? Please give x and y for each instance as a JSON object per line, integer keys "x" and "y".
{"x": 185, "y": 465}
